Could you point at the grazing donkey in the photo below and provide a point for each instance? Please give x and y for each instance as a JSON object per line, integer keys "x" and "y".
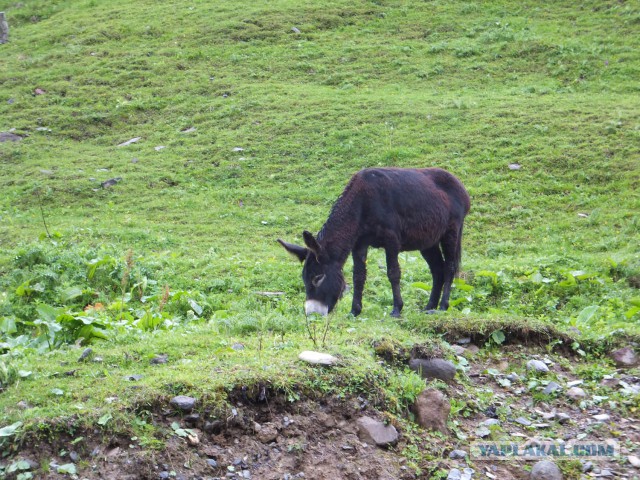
{"x": 392, "y": 208}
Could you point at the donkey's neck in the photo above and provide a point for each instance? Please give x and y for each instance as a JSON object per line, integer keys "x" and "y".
{"x": 340, "y": 232}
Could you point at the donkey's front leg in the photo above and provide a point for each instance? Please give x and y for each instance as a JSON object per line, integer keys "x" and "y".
{"x": 393, "y": 273}
{"x": 359, "y": 276}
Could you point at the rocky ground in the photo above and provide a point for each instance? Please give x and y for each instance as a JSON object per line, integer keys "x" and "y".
{"x": 511, "y": 394}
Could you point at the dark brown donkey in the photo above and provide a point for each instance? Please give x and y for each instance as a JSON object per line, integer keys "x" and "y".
{"x": 392, "y": 208}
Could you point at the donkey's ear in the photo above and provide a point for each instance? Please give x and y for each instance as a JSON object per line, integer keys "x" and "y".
{"x": 311, "y": 243}
{"x": 296, "y": 250}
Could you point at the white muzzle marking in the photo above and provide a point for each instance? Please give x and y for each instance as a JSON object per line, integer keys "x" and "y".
{"x": 314, "y": 306}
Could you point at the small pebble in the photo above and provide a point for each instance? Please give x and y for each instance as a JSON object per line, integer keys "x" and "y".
{"x": 634, "y": 461}
{"x": 602, "y": 418}
{"x": 457, "y": 454}
{"x": 576, "y": 393}
{"x": 551, "y": 387}
{"x": 537, "y": 366}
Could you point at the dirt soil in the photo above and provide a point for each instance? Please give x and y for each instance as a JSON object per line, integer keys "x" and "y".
{"x": 306, "y": 439}
{"x": 267, "y": 437}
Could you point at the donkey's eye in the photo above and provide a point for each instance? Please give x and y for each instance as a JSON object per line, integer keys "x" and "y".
{"x": 318, "y": 279}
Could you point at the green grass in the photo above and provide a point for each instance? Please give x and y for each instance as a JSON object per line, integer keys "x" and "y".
{"x": 470, "y": 87}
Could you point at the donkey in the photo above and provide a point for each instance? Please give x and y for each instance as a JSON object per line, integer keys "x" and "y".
{"x": 392, "y": 208}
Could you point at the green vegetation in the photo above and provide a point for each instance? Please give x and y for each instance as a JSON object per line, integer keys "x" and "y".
{"x": 264, "y": 110}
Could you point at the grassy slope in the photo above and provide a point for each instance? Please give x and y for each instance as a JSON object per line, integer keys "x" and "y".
{"x": 468, "y": 87}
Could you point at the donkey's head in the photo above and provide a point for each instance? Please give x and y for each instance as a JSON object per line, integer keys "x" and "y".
{"x": 322, "y": 276}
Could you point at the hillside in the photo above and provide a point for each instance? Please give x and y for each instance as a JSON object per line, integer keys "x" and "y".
{"x": 153, "y": 152}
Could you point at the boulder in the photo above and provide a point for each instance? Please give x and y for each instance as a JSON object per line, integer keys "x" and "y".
{"x": 432, "y": 410}
{"x": 545, "y": 470}
{"x": 537, "y": 366}
{"x": 374, "y": 432}
{"x": 434, "y": 368}
{"x": 625, "y": 357}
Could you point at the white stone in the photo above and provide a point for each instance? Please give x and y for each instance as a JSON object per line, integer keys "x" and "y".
{"x": 317, "y": 358}
{"x": 602, "y": 418}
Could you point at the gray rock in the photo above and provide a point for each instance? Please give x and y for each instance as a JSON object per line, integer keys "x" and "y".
{"x": 434, "y": 368}
{"x": 457, "y": 454}
{"x": 491, "y": 421}
{"x": 523, "y": 421}
{"x": 133, "y": 378}
{"x": 625, "y": 357}
{"x": 163, "y": 475}
{"x": 454, "y": 474}
{"x": 111, "y": 182}
{"x": 513, "y": 377}
{"x": 237, "y": 346}
{"x": 463, "y": 341}
{"x": 212, "y": 463}
{"x": 159, "y": 359}
{"x": 192, "y": 418}
{"x": 4, "y": 29}
{"x": 587, "y": 467}
{"x": 9, "y": 137}
{"x": 576, "y": 393}
{"x": 634, "y": 461}
{"x": 184, "y": 403}
{"x": 375, "y": 432}
{"x": 295, "y": 30}
{"x": 467, "y": 473}
{"x": 545, "y": 470}
{"x": 129, "y": 142}
{"x": 575, "y": 383}
{"x": 563, "y": 417}
{"x": 547, "y": 415}
{"x": 316, "y": 358}
{"x": 482, "y": 432}
{"x": 86, "y": 353}
{"x": 537, "y": 365}
{"x": 514, "y": 166}
{"x": 551, "y": 387}
{"x": 458, "y": 350}
{"x": 432, "y": 410}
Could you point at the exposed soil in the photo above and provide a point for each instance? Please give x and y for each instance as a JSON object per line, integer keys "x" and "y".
{"x": 305, "y": 439}
{"x": 267, "y": 437}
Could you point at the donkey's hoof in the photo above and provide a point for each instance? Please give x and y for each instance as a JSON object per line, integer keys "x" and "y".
{"x": 431, "y": 311}
{"x": 395, "y": 314}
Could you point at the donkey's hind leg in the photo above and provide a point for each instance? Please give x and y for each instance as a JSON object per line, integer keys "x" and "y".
{"x": 434, "y": 259}
{"x": 451, "y": 245}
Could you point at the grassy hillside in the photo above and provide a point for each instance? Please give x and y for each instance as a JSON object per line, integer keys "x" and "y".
{"x": 251, "y": 118}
